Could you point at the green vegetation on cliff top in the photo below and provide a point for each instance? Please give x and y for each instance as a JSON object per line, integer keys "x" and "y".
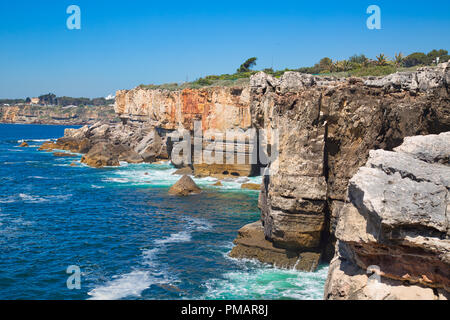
{"x": 356, "y": 65}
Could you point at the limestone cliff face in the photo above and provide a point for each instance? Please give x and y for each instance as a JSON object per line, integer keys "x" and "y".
{"x": 393, "y": 230}
{"x": 56, "y": 115}
{"x": 218, "y": 108}
{"x": 326, "y": 129}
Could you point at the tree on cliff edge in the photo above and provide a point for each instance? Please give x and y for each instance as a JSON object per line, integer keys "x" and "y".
{"x": 245, "y": 67}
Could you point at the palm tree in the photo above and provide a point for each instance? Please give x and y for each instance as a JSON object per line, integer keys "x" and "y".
{"x": 381, "y": 60}
{"x": 398, "y": 60}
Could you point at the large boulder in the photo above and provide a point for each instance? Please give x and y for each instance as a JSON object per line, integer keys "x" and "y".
{"x": 251, "y": 186}
{"x": 100, "y": 155}
{"x": 252, "y": 244}
{"x": 76, "y": 133}
{"x": 185, "y": 186}
{"x": 130, "y": 156}
{"x": 395, "y": 226}
{"x": 48, "y": 146}
{"x": 150, "y": 146}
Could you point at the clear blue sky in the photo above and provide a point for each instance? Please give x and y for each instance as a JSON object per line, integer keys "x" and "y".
{"x": 122, "y": 44}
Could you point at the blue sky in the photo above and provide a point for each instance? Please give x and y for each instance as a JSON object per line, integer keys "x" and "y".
{"x": 122, "y": 44}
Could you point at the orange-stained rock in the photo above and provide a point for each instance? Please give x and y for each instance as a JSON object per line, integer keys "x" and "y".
{"x": 220, "y": 108}
{"x": 100, "y": 155}
{"x": 63, "y": 154}
{"x": 251, "y": 186}
{"x": 48, "y": 146}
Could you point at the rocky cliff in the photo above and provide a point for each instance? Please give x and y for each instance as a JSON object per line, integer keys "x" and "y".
{"x": 326, "y": 128}
{"x": 393, "y": 230}
{"x": 219, "y": 108}
{"x": 321, "y": 129}
{"x": 158, "y": 124}
{"x": 56, "y": 115}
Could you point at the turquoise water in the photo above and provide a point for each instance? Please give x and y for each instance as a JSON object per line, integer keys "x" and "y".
{"x": 130, "y": 239}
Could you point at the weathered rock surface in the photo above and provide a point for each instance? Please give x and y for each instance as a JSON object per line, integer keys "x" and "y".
{"x": 252, "y": 244}
{"x": 57, "y": 115}
{"x": 217, "y": 110}
{"x": 130, "y": 143}
{"x": 184, "y": 187}
{"x": 64, "y": 154}
{"x": 396, "y": 221}
{"x": 101, "y": 155}
{"x": 184, "y": 171}
{"x": 326, "y": 128}
{"x": 48, "y": 146}
{"x": 251, "y": 186}
{"x": 159, "y": 124}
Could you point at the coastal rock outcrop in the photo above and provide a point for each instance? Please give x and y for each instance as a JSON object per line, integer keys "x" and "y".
{"x": 101, "y": 155}
{"x": 326, "y": 128}
{"x": 251, "y": 186}
{"x": 184, "y": 171}
{"x": 318, "y": 131}
{"x": 393, "y": 231}
{"x": 56, "y": 115}
{"x": 108, "y": 144}
{"x": 252, "y": 244}
{"x": 214, "y": 117}
{"x": 184, "y": 187}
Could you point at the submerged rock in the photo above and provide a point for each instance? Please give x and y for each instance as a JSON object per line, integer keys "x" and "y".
{"x": 251, "y": 186}
{"x": 48, "y": 146}
{"x": 63, "y": 154}
{"x": 184, "y": 171}
{"x": 185, "y": 186}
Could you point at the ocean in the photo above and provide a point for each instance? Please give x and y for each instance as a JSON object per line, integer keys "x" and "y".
{"x": 127, "y": 236}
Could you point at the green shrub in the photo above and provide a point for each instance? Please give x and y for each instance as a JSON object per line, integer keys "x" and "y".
{"x": 415, "y": 59}
{"x": 376, "y": 71}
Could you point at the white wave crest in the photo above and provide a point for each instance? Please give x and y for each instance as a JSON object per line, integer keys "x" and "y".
{"x": 130, "y": 284}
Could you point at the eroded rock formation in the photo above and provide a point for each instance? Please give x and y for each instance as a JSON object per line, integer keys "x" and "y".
{"x": 395, "y": 223}
{"x": 321, "y": 128}
{"x": 186, "y": 114}
{"x": 56, "y": 115}
{"x": 326, "y": 128}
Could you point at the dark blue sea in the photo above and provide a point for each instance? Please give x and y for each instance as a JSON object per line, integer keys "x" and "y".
{"x": 127, "y": 236}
